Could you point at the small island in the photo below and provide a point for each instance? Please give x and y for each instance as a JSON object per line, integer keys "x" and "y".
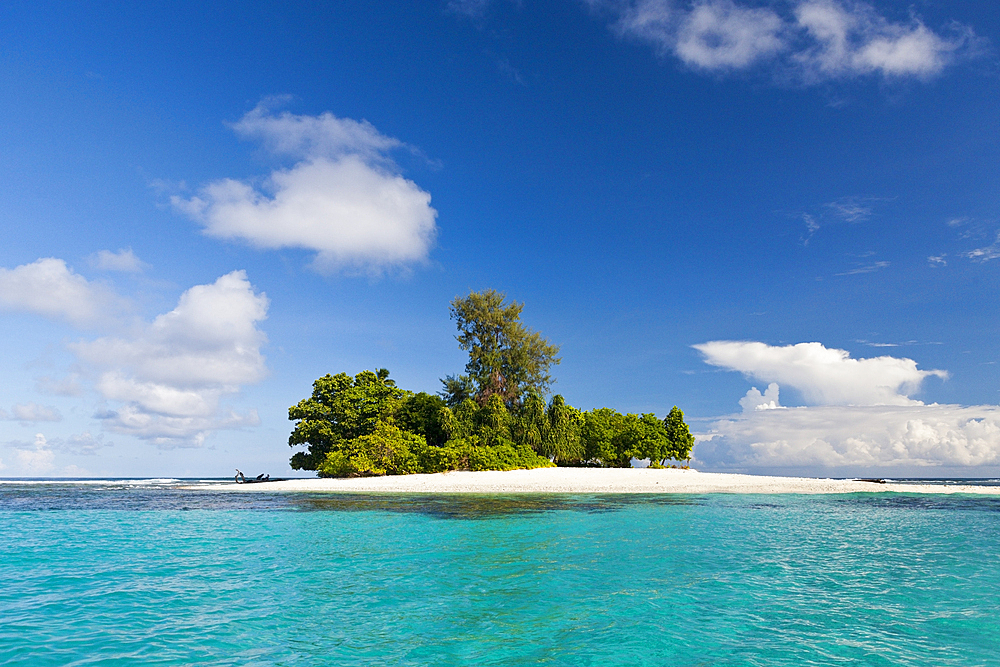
{"x": 493, "y": 417}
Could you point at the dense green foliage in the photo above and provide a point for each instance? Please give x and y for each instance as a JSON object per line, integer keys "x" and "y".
{"x": 340, "y": 409}
{"x": 365, "y": 426}
{"x": 679, "y": 438}
{"x": 506, "y": 359}
{"x": 492, "y": 418}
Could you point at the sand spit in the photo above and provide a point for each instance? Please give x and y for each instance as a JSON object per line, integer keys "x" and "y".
{"x": 600, "y": 480}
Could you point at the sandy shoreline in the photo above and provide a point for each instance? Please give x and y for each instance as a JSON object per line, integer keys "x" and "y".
{"x": 599, "y": 480}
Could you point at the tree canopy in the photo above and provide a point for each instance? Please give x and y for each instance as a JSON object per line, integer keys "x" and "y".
{"x": 506, "y": 358}
{"x": 679, "y": 438}
{"x": 365, "y": 426}
{"x": 493, "y": 418}
{"x": 340, "y": 409}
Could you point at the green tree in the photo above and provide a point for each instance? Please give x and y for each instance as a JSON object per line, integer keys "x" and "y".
{"x": 495, "y": 422}
{"x": 561, "y": 437}
{"x": 365, "y": 426}
{"x": 651, "y": 440}
{"x": 679, "y": 438}
{"x": 529, "y": 423}
{"x": 340, "y": 409}
{"x": 604, "y": 440}
{"x": 422, "y": 414}
{"x": 506, "y": 358}
{"x": 457, "y": 388}
{"x": 614, "y": 439}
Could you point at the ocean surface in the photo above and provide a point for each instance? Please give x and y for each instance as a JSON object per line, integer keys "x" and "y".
{"x": 144, "y": 572}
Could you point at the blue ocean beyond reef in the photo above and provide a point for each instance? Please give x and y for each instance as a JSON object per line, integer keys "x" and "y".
{"x": 147, "y": 573}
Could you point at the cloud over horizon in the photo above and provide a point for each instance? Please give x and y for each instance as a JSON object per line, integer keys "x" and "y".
{"x": 169, "y": 376}
{"x": 807, "y": 40}
{"x": 344, "y": 198}
{"x": 859, "y": 437}
{"x": 860, "y": 414}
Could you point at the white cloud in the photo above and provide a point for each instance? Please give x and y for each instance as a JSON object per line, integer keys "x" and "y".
{"x": 815, "y": 40}
{"x": 343, "y": 199}
{"x": 82, "y": 444}
{"x": 720, "y": 34}
{"x": 31, "y": 412}
{"x": 811, "y": 223}
{"x": 124, "y": 261}
{"x": 861, "y": 417}
{"x": 324, "y": 135}
{"x": 754, "y": 400}
{"x": 858, "y": 437}
{"x": 169, "y": 376}
{"x": 986, "y": 253}
{"x": 853, "y": 39}
{"x": 713, "y": 34}
{"x": 38, "y": 458}
{"x": 35, "y": 459}
{"x": 49, "y": 288}
{"x": 850, "y": 209}
{"x": 823, "y": 375}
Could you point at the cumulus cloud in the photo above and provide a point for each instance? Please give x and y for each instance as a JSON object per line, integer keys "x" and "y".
{"x": 31, "y": 412}
{"x": 860, "y": 417}
{"x": 169, "y": 376}
{"x": 344, "y": 198}
{"x": 754, "y": 400}
{"x": 824, "y": 376}
{"x": 813, "y": 40}
{"x": 123, "y": 261}
{"x": 857, "y": 437}
{"x": 49, "y": 288}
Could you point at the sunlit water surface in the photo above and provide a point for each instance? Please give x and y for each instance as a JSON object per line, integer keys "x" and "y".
{"x": 147, "y": 573}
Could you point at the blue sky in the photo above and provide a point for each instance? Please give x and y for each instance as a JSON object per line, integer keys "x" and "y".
{"x": 205, "y": 207}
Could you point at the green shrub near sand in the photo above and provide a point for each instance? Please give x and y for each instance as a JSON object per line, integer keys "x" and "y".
{"x": 366, "y": 426}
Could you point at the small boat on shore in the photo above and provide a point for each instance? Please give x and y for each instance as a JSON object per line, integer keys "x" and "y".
{"x": 243, "y": 479}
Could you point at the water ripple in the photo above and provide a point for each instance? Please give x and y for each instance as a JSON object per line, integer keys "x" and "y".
{"x": 502, "y": 580}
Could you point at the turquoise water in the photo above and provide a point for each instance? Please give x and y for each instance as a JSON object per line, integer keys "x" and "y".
{"x": 148, "y": 574}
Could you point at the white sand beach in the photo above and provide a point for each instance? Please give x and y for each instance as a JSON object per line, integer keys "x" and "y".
{"x": 600, "y": 480}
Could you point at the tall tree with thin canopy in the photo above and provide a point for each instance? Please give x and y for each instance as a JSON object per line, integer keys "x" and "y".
{"x": 506, "y": 358}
